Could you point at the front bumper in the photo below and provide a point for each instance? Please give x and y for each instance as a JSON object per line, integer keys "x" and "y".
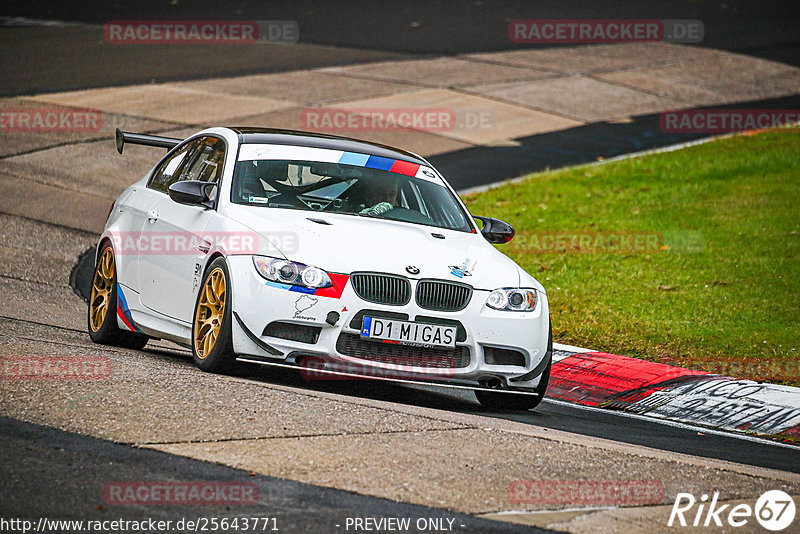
{"x": 483, "y": 334}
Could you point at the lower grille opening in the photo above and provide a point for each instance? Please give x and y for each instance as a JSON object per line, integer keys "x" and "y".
{"x": 353, "y": 345}
{"x": 496, "y": 356}
{"x": 293, "y": 332}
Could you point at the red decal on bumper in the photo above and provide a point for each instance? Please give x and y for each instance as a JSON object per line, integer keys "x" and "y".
{"x": 335, "y": 291}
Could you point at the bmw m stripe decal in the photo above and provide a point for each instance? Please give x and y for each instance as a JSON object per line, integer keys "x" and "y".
{"x": 404, "y": 167}
{"x": 123, "y": 311}
{"x": 351, "y": 158}
{"x": 335, "y": 291}
{"x": 377, "y": 162}
{"x": 288, "y": 287}
{"x": 253, "y": 151}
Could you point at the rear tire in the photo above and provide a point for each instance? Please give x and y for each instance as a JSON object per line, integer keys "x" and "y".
{"x": 516, "y": 401}
{"x": 212, "y": 342}
{"x": 102, "y": 310}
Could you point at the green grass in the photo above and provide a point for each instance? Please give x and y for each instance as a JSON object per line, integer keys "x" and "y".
{"x": 720, "y": 292}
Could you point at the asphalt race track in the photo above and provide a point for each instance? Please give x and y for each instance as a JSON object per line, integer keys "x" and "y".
{"x": 362, "y": 31}
{"x": 86, "y": 464}
{"x": 619, "y": 427}
{"x": 557, "y": 415}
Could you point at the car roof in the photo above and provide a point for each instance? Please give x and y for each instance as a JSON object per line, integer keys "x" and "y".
{"x": 316, "y": 140}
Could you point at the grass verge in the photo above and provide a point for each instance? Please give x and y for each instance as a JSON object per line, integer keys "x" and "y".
{"x": 690, "y": 257}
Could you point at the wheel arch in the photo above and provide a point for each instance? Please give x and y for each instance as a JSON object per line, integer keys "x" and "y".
{"x": 211, "y": 362}
{"x": 101, "y": 245}
{"x": 210, "y": 260}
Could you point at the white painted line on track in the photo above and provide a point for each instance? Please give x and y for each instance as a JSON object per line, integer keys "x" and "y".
{"x": 25, "y": 21}
{"x": 668, "y": 148}
{"x": 631, "y": 155}
{"x": 555, "y": 510}
{"x": 571, "y": 348}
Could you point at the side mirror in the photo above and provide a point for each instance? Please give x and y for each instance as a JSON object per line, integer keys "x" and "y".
{"x": 496, "y": 231}
{"x": 192, "y": 192}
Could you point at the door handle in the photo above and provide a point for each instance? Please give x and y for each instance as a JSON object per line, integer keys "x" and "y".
{"x": 152, "y": 216}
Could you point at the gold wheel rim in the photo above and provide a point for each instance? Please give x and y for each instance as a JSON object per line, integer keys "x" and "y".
{"x": 210, "y": 311}
{"x": 102, "y": 285}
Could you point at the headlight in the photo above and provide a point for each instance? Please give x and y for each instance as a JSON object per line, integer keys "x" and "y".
{"x": 512, "y": 299}
{"x": 289, "y": 272}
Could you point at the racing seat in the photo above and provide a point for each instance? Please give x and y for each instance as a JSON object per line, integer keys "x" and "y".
{"x": 253, "y": 180}
{"x": 251, "y": 184}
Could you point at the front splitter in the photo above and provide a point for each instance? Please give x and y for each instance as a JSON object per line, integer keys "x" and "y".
{"x": 361, "y": 376}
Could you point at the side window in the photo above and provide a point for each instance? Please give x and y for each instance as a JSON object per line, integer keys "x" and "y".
{"x": 169, "y": 170}
{"x": 205, "y": 161}
{"x": 200, "y": 159}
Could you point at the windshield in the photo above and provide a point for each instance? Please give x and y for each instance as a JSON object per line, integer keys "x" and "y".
{"x": 351, "y": 189}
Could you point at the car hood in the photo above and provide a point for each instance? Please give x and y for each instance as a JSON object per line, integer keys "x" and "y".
{"x": 348, "y": 243}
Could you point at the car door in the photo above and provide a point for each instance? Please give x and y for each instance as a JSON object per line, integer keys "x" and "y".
{"x": 131, "y": 209}
{"x": 172, "y": 249}
{"x": 133, "y": 216}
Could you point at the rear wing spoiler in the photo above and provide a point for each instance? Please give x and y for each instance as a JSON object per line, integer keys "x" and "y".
{"x": 144, "y": 139}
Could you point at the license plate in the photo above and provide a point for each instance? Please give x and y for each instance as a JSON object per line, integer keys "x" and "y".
{"x": 408, "y": 333}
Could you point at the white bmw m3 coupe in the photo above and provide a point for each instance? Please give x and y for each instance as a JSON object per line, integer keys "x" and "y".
{"x": 339, "y": 257}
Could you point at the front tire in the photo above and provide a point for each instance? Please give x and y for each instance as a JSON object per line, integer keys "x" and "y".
{"x": 102, "y": 311}
{"x": 212, "y": 346}
{"x": 514, "y": 401}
